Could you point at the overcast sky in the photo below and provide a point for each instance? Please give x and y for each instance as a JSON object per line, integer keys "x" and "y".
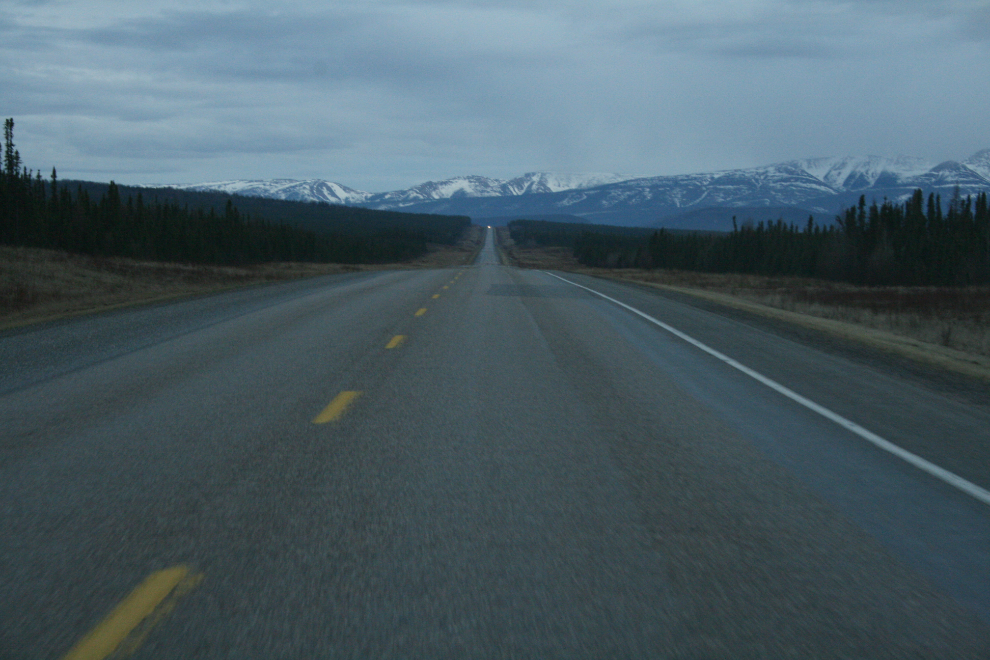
{"x": 384, "y": 94}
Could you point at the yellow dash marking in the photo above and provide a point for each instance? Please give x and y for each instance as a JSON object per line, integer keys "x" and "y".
{"x": 396, "y": 341}
{"x": 420, "y": 311}
{"x": 446, "y": 287}
{"x": 436, "y": 295}
{"x": 139, "y": 605}
{"x": 136, "y": 639}
{"x": 337, "y": 407}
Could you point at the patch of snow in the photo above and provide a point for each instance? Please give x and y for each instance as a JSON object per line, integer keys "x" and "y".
{"x": 316, "y": 190}
{"x": 979, "y": 163}
{"x": 860, "y": 172}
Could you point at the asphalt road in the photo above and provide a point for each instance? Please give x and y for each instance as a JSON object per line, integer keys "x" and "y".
{"x": 526, "y": 470}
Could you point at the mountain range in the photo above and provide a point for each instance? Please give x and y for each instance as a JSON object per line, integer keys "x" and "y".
{"x": 792, "y": 190}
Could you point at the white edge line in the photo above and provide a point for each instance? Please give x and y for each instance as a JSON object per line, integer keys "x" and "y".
{"x": 939, "y": 473}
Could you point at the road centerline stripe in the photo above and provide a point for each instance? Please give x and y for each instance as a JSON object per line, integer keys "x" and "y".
{"x": 138, "y": 606}
{"x": 420, "y": 311}
{"x": 337, "y": 407}
{"x": 396, "y": 341}
{"x": 940, "y": 473}
{"x": 436, "y": 295}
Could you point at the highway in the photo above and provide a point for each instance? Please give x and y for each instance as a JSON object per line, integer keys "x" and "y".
{"x": 479, "y": 462}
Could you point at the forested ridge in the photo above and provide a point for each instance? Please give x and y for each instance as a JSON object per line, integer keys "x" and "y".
{"x": 919, "y": 242}
{"x": 172, "y": 225}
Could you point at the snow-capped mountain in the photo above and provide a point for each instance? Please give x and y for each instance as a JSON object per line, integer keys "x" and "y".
{"x": 480, "y": 186}
{"x": 852, "y": 173}
{"x": 791, "y": 190}
{"x": 979, "y": 163}
{"x": 318, "y": 190}
{"x": 311, "y": 190}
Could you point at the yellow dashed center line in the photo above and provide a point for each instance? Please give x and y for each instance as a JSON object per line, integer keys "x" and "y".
{"x": 436, "y": 295}
{"x": 446, "y": 287}
{"x": 147, "y": 603}
{"x": 396, "y": 341}
{"x": 420, "y": 311}
{"x": 337, "y": 407}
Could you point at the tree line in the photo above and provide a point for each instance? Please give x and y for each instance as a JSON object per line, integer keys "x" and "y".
{"x": 918, "y": 242}
{"x": 188, "y": 227}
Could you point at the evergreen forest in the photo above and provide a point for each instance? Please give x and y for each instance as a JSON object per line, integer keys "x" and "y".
{"x": 207, "y": 228}
{"x": 919, "y": 242}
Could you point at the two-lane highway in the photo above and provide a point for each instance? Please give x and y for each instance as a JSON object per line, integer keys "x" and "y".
{"x": 484, "y": 462}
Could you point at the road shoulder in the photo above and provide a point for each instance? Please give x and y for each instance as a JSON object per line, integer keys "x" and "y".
{"x": 964, "y": 377}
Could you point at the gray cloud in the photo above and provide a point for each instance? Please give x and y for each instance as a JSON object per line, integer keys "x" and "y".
{"x": 976, "y": 26}
{"x": 756, "y": 38}
{"x": 382, "y": 94}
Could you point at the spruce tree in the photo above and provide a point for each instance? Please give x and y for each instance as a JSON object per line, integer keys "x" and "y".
{"x": 11, "y": 157}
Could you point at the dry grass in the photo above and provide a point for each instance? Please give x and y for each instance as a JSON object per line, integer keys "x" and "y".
{"x": 953, "y": 317}
{"x": 38, "y": 284}
{"x": 449, "y": 256}
{"x": 947, "y": 317}
{"x": 555, "y": 258}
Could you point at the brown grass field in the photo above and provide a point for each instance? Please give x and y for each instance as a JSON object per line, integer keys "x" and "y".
{"x": 937, "y": 320}
{"x": 38, "y": 285}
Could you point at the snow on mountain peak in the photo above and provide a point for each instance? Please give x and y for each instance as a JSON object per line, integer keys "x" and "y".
{"x": 482, "y": 186}
{"x": 289, "y": 189}
{"x": 861, "y": 172}
{"x": 819, "y": 185}
{"x": 979, "y": 163}
{"x": 551, "y": 182}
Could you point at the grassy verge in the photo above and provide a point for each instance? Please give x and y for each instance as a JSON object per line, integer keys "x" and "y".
{"x": 39, "y": 285}
{"x": 947, "y": 326}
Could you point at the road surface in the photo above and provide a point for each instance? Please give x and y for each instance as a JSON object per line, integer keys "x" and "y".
{"x": 479, "y": 462}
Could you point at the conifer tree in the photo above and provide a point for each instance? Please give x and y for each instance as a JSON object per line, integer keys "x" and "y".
{"x": 11, "y": 157}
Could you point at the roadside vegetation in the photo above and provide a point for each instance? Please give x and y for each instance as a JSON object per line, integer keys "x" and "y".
{"x": 38, "y": 284}
{"x": 918, "y": 243}
{"x": 67, "y": 249}
{"x": 954, "y": 317}
{"x": 199, "y": 228}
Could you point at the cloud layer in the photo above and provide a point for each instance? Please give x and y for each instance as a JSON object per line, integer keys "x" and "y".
{"x": 384, "y": 94}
